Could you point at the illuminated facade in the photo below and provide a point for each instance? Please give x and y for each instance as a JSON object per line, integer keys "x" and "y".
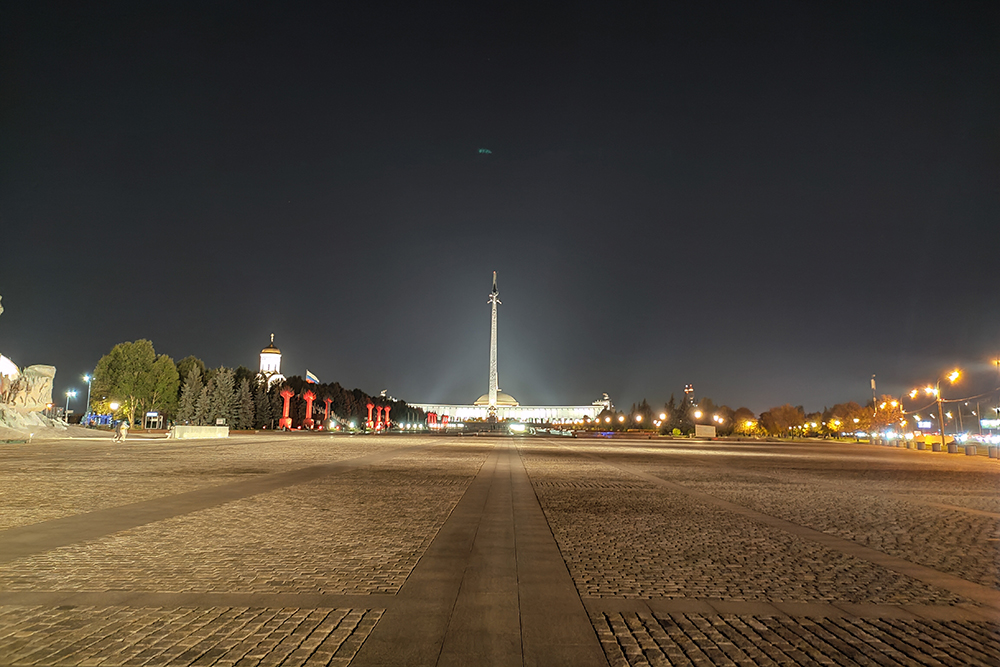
{"x": 270, "y": 364}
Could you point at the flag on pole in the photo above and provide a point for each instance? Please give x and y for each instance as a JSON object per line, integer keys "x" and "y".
{"x": 311, "y": 378}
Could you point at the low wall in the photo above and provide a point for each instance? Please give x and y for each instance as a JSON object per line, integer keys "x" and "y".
{"x": 188, "y": 432}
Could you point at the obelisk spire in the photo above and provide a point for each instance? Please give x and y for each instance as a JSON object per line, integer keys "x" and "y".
{"x": 494, "y": 382}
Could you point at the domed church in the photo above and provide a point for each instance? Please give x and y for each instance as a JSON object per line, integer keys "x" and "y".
{"x": 270, "y": 364}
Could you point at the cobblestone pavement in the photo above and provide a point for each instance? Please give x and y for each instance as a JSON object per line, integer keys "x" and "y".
{"x": 688, "y": 553}
{"x": 50, "y": 479}
{"x": 639, "y": 639}
{"x": 890, "y": 503}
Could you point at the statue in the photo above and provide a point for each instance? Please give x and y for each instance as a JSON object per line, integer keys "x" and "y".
{"x": 27, "y": 391}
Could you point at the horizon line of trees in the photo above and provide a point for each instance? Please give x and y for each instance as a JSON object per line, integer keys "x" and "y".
{"x": 140, "y": 381}
{"x": 784, "y": 420}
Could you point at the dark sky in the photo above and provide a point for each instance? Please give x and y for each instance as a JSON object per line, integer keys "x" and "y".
{"x": 770, "y": 200}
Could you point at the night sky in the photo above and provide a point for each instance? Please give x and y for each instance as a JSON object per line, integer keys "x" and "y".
{"x": 772, "y": 201}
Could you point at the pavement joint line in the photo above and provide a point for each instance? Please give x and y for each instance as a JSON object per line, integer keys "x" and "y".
{"x": 981, "y": 594}
{"x": 609, "y": 605}
{"x": 35, "y": 538}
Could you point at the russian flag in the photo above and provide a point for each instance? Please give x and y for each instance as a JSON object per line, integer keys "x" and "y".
{"x": 311, "y": 378}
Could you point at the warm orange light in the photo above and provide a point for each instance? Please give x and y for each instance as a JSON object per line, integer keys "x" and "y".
{"x": 954, "y": 375}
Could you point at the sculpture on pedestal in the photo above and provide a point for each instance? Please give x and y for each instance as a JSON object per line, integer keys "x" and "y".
{"x": 310, "y": 397}
{"x": 25, "y": 391}
{"x": 285, "y": 421}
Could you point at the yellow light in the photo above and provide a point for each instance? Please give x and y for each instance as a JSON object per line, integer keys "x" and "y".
{"x": 607, "y": 419}
{"x": 856, "y": 420}
{"x": 621, "y": 418}
{"x": 954, "y": 375}
{"x": 882, "y": 407}
{"x": 113, "y": 406}
{"x": 913, "y": 394}
{"x": 663, "y": 415}
{"x": 638, "y": 418}
{"x": 836, "y": 422}
{"x": 697, "y": 414}
{"x": 894, "y": 403}
{"x": 931, "y": 390}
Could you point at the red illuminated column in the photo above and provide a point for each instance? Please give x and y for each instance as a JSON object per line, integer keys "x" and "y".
{"x": 378, "y": 418}
{"x": 387, "y": 408}
{"x": 369, "y": 422}
{"x": 285, "y": 421}
{"x": 328, "y": 401}
{"x": 444, "y": 420}
{"x": 310, "y": 397}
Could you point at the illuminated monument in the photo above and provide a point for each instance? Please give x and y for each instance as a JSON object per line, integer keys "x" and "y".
{"x": 496, "y": 405}
{"x": 494, "y": 398}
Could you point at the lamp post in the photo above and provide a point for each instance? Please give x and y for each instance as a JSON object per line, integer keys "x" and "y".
{"x": 954, "y": 375}
{"x": 88, "y": 379}
{"x": 69, "y": 394}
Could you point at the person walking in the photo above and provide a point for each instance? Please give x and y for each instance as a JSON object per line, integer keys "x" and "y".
{"x": 121, "y": 431}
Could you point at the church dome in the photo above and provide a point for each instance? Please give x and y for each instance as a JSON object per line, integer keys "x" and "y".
{"x": 502, "y": 399}
{"x": 271, "y": 349}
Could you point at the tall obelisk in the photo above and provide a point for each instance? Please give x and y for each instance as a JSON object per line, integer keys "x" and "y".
{"x": 494, "y": 383}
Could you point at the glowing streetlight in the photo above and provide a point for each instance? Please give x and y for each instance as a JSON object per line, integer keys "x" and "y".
{"x": 621, "y": 418}
{"x": 69, "y": 394}
{"x": 638, "y": 418}
{"x": 663, "y": 415}
{"x": 936, "y": 391}
{"x": 88, "y": 379}
{"x": 114, "y": 407}
{"x": 697, "y": 414}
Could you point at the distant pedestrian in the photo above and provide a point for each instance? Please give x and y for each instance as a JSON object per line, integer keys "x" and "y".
{"x": 121, "y": 431}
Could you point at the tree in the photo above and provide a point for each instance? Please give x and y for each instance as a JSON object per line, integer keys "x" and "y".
{"x": 139, "y": 380}
{"x": 779, "y": 421}
{"x": 243, "y": 419}
{"x": 262, "y": 406}
{"x": 222, "y": 396}
{"x": 204, "y": 408}
{"x": 185, "y": 365}
{"x": 744, "y": 421}
{"x": 164, "y": 381}
{"x": 187, "y": 408}
{"x": 888, "y": 414}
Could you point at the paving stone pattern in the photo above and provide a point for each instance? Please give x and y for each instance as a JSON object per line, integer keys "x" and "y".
{"x": 646, "y": 543}
{"x": 299, "y": 568}
{"x": 358, "y": 532}
{"x": 121, "y": 636}
{"x": 54, "y": 479}
{"x": 874, "y": 508}
{"x": 643, "y": 639}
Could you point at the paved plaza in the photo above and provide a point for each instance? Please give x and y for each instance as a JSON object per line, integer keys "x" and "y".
{"x": 307, "y": 549}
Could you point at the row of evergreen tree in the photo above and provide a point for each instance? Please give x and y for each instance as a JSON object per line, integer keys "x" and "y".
{"x": 245, "y": 401}
{"x": 246, "y": 406}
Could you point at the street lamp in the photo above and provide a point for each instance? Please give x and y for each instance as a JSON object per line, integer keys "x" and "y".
{"x": 69, "y": 394}
{"x": 88, "y": 379}
{"x": 936, "y": 390}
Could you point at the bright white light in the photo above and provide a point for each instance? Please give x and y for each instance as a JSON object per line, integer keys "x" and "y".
{"x": 697, "y": 414}
{"x": 517, "y": 428}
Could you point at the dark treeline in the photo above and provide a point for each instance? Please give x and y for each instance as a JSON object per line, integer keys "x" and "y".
{"x": 135, "y": 379}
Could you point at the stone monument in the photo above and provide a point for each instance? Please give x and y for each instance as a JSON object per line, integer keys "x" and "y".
{"x": 24, "y": 393}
